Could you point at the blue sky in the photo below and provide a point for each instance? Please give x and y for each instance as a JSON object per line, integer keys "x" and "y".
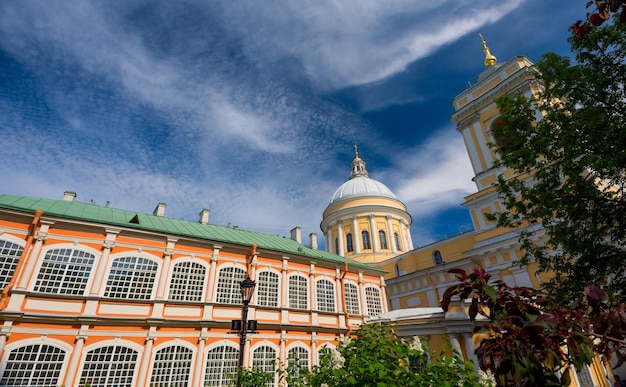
{"x": 251, "y": 108}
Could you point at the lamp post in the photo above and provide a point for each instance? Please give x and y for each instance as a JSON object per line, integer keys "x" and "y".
{"x": 243, "y": 326}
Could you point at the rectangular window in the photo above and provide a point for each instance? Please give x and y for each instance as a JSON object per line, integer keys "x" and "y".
{"x": 267, "y": 289}
{"x": 352, "y": 299}
{"x": 325, "y": 296}
{"x": 298, "y": 292}
{"x": 187, "y": 283}
{"x": 64, "y": 271}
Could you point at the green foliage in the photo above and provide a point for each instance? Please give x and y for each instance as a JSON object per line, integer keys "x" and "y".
{"x": 253, "y": 377}
{"x": 577, "y": 156}
{"x": 533, "y": 340}
{"x": 376, "y": 356}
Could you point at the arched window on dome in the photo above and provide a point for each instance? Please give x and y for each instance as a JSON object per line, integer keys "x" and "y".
{"x": 382, "y": 236}
{"x": 349, "y": 244}
{"x": 336, "y": 245}
{"x": 365, "y": 235}
{"x": 437, "y": 257}
{"x": 396, "y": 238}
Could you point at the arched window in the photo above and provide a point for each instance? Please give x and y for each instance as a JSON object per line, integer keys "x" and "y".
{"x": 365, "y": 235}
{"x": 33, "y": 365}
{"x": 228, "y": 285}
{"x": 267, "y": 289}
{"x": 437, "y": 257}
{"x": 64, "y": 271}
{"x": 500, "y": 139}
{"x": 187, "y": 281}
{"x": 396, "y": 237}
{"x": 221, "y": 365}
{"x": 374, "y": 303}
{"x": 325, "y": 296}
{"x": 112, "y": 365}
{"x": 352, "y": 298}
{"x": 171, "y": 366}
{"x": 349, "y": 244}
{"x": 298, "y": 292}
{"x": 9, "y": 256}
{"x": 337, "y": 246}
{"x": 264, "y": 359}
{"x": 297, "y": 361}
{"x": 131, "y": 278}
{"x": 382, "y": 236}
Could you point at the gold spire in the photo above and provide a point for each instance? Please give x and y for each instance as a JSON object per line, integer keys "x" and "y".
{"x": 357, "y": 166}
{"x": 490, "y": 59}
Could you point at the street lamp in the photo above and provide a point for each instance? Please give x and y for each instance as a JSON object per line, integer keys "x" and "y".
{"x": 242, "y": 326}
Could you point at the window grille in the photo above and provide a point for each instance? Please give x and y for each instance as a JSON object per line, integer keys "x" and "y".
{"x": 33, "y": 365}
{"x": 352, "y": 298}
{"x": 228, "y": 285}
{"x": 298, "y": 292}
{"x": 9, "y": 256}
{"x": 221, "y": 366}
{"x": 325, "y": 296}
{"x": 113, "y": 365}
{"x": 131, "y": 278}
{"x": 264, "y": 359}
{"x": 374, "y": 304}
{"x": 171, "y": 367}
{"x": 187, "y": 282}
{"x": 267, "y": 289}
{"x": 64, "y": 271}
{"x": 297, "y": 361}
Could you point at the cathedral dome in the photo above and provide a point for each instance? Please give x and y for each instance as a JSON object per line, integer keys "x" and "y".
{"x": 361, "y": 186}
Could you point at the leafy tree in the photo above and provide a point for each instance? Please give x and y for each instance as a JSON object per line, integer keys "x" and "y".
{"x": 601, "y": 13}
{"x": 376, "y": 356}
{"x": 533, "y": 340}
{"x": 576, "y": 155}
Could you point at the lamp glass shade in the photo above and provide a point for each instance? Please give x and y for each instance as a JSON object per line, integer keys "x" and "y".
{"x": 247, "y": 289}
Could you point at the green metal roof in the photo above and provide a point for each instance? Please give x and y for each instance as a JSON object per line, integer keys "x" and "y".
{"x": 116, "y": 217}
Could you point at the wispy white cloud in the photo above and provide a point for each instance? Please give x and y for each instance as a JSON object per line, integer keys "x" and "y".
{"x": 224, "y": 105}
{"x": 437, "y": 174}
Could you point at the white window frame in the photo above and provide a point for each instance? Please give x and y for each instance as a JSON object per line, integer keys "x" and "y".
{"x": 102, "y": 361}
{"x": 10, "y": 253}
{"x": 126, "y": 287}
{"x": 58, "y": 273}
{"x": 301, "y": 350}
{"x": 173, "y": 378}
{"x": 326, "y": 300}
{"x": 299, "y": 292}
{"x": 353, "y": 304}
{"x": 9, "y": 348}
{"x": 373, "y": 298}
{"x": 227, "y": 285}
{"x": 268, "y": 288}
{"x": 227, "y": 365}
{"x": 265, "y": 358}
{"x": 187, "y": 285}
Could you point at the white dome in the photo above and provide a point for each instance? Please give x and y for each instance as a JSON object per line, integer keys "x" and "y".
{"x": 361, "y": 186}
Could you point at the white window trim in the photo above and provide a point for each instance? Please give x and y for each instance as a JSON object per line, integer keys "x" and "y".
{"x": 132, "y": 253}
{"x": 177, "y": 261}
{"x": 42, "y": 254}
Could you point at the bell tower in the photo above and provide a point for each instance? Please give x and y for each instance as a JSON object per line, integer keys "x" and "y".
{"x": 476, "y": 114}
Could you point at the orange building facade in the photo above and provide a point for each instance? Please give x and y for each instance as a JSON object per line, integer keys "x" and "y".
{"x": 97, "y": 295}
